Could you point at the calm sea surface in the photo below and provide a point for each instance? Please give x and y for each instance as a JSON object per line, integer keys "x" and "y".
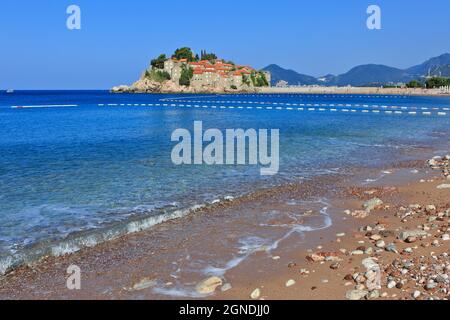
{"x": 73, "y": 162}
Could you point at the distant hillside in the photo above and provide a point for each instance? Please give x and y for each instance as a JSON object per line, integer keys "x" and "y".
{"x": 371, "y": 74}
{"x": 441, "y": 71}
{"x": 366, "y": 75}
{"x": 292, "y": 77}
{"x": 430, "y": 66}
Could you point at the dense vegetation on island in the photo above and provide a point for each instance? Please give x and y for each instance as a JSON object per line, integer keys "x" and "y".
{"x": 157, "y": 73}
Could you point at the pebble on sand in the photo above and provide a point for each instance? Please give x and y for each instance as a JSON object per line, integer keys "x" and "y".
{"x": 209, "y": 285}
{"x": 356, "y": 294}
{"x": 290, "y": 283}
{"x": 255, "y": 294}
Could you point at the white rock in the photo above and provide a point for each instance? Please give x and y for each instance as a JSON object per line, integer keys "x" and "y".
{"x": 144, "y": 284}
{"x": 209, "y": 285}
{"x": 375, "y": 237}
{"x": 255, "y": 294}
{"x": 356, "y": 294}
{"x": 443, "y": 186}
{"x": 412, "y": 233}
{"x": 381, "y": 244}
{"x": 372, "y": 204}
{"x": 290, "y": 283}
{"x": 416, "y": 294}
{"x": 446, "y": 237}
{"x": 391, "y": 284}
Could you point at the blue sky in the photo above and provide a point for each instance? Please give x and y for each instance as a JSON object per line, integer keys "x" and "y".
{"x": 118, "y": 38}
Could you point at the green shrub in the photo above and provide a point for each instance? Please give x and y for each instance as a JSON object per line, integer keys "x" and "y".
{"x": 186, "y": 75}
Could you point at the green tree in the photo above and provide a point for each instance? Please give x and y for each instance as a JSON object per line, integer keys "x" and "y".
{"x": 208, "y": 56}
{"x": 186, "y": 75}
{"x": 158, "y": 63}
{"x": 437, "y": 82}
{"x": 414, "y": 84}
{"x": 184, "y": 53}
{"x": 157, "y": 75}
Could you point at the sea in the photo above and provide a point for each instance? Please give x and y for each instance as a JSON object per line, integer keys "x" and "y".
{"x": 78, "y": 168}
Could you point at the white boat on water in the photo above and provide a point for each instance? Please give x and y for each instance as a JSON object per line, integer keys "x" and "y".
{"x": 10, "y": 91}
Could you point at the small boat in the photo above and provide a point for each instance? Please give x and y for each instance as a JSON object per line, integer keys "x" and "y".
{"x": 10, "y": 91}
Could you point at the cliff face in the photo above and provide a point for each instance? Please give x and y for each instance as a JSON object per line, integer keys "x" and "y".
{"x": 149, "y": 86}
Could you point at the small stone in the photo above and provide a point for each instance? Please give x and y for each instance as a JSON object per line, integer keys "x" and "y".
{"x": 443, "y": 186}
{"x": 431, "y": 285}
{"x": 416, "y": 294}
{"x": 335, "y": 266}
{"x": 430, "y": 208}
{"x": 375, "y": 237}
{"x": 144, "y": 284}
{"x": 399, "y": 285}
{"x": 408, "y": 250}
{"x": 442, "y": 278}
{"x": 391, "y": 248}
{"x": 348, "y": 277}
{"x": 446, "y": 237}
{"x": 255, "y": 294}
{"x": 391, "y": 284}
{"x": 356, "y": 294}
{"x": 387, "y": 233}
{"x": 360, "y": 214}
{"x": 357, "y": 253}
{"x": 372, "y": 204}
{"x": 375, "y": 294}
{"x": 411, "y": 240}
{"x": 340, "y": 235}
{"x": 209, "y": 285}
{"x": 412, "y": 233}
{"x": 381, "y": 244}
{"x": 290, "y": 283}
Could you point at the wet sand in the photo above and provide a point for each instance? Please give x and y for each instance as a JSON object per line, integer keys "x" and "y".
{"x": 258, "y": 242}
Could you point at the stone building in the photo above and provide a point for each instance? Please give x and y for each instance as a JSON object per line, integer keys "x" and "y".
{"x": 218, "y": 74}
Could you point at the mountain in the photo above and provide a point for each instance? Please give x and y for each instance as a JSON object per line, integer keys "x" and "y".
{"x": 430, "y": 66}
{"x": 366, "y": 75}
{"x": 441, "y": 71}
{"x": 292, "y": 77}
{"x": 372, "y": 74}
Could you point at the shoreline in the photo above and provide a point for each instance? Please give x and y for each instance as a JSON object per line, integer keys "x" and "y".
{"x": 113, "y": 259}
{"x": 413, "y": 92}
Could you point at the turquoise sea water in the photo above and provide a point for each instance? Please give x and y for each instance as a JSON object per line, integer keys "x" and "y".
{"x": 74, "y": 162}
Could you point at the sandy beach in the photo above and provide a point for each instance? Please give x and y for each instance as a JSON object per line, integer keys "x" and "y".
{"x": 368, "y": 228}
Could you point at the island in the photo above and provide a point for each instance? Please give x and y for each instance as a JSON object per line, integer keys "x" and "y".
{"x": 186, "y": 72}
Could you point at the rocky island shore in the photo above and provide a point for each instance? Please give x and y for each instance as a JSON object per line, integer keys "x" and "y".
{"x": 186, "y": 72}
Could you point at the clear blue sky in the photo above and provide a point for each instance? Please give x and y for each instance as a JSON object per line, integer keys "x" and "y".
{"x": 118, "y": 38}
